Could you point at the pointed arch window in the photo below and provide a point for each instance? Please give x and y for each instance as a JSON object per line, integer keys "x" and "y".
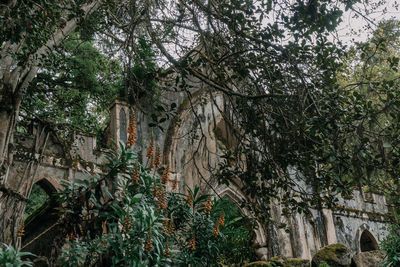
{"x": 368, "y": 241}
{"x": 122, "y": 126}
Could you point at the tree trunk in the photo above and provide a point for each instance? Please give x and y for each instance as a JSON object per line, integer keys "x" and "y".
{"x": 12, "y": 208}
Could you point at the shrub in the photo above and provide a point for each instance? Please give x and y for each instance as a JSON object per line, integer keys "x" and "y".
{"x": 128, "y": 218}
{"x": 10, "y": 257}
{"x": 391, "y": 245}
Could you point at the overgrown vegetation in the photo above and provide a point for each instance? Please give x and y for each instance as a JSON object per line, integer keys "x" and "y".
{"x": 237, "y": 246}
{"x": 128, "y": 218}
{"x": 391, "y": 245}
{"x": 37, "y": 198}
{"x": 74, "y": 87}
{"x": 10, "y": 257}
{"x": 301, "y": 101}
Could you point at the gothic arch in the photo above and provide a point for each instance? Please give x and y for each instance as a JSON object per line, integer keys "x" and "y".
{"x": 190, "y": 145}
{"x": 47, "y": 186}
{"x": 217, "y": 137}
{"x": 39, "y": 226}
{"x": 236, "y": 196}
{"x": 365, "y": 239}
{"x": 368, "y": 242}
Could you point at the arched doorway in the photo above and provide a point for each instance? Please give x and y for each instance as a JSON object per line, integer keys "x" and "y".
{"x": 238, "y": 244}
{"x": 368, "y": 241}
{"x": 42, "y": 194}
{"x": 41, "y": 214}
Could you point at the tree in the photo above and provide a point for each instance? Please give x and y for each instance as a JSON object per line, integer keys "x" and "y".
{"x": 74, "y": 87}
{"x": 278, "y": 78}
{"x": 272, "y": 60}
{"x": 29, "y": 31}
{"x": 370, "y": 77}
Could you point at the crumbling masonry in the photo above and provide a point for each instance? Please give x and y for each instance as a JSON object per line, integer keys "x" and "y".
{"x": 357, "y": 222}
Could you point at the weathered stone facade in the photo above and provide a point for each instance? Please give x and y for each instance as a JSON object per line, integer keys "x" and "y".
{"x": 193, "y": 142}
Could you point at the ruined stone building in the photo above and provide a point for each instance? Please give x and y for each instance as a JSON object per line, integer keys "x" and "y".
{"x": 357, "y": 222}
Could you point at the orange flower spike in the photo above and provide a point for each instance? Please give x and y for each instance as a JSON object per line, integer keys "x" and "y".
{"x": 192, "y": 243}
{"x": 216, "y": 230}
{"x": 104, "y": 226}
{"x": 174, "y": 184}
{"x": 171, "y": 228}
{"x": 221, "y": 220}
{"x": 166, "y": 251}
{"x": 165, "y": 176}
{"x": 208, "y": 205}
{"x": 163, "y": 202}
{"x": 127, "y": 223}
{"x": 150, "y": 150}
{"x": 21, "y": 231}
{"x": 132, "y": 130}
{"x": 165, "y": 225}
{"x": 152, "y": 162}
{"x": 189, "y": 200}
{"x": 66, "y": 244}
{"x": 136, "y": 175}
{"x": 157, "y": 158}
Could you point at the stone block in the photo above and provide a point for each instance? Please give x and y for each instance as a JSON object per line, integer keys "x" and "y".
{"x": 369, "y": 258}
{"x": 337, "y": 255}
{"x": 258, "y": 264}
{"x": 289, "y": 262}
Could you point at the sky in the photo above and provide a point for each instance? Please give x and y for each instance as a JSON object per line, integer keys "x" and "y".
{"x": 355, "y": 28}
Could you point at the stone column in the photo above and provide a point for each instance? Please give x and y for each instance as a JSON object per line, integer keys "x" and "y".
{"x": 119, "y": 120}
{"x": 329, "y": 226}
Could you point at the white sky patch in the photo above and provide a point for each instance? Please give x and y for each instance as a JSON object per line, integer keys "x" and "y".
{"x": 358, "y": 27}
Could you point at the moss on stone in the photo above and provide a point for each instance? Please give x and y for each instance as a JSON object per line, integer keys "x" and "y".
{"x": 334, "y": 254}
{"x": 297, "y": 262}
{"x": 289, "y": 262}
{"x": 258, "y": 264}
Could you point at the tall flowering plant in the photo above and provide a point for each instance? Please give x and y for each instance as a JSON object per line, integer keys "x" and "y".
{"x": 127, "y": 217}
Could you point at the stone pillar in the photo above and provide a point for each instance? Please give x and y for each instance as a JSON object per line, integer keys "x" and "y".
{"x": 329, "y": 226}
{"x": 119, "y": 120}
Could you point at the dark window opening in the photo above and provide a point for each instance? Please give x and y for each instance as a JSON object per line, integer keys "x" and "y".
{"x": 368, "y": 242}
{"x": 37, "y": 199}
{"x": 40, "y": 214}
{"x": 122, "y": 126}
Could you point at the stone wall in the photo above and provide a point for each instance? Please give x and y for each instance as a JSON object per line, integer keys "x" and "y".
{"x": 193, "y": 142}
{"x": 360, "y": 212}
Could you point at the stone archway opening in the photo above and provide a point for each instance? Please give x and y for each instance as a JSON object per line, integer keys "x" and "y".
{"x": 368, "y": 242}
{"x": 238, "y": 231}
{"x": 41, "y": 214}
{"x": 41, "y": 195}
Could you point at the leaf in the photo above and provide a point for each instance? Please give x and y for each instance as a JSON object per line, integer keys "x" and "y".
{"x": 387, "y": 145}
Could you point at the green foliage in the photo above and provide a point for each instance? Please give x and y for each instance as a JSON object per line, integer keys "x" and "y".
{"x": 36, "y": 199}
{"x": 236, "y": 248}
{"x": 75, "y": 86}
{"x": 323, "y": 264}
{"x": 123, "y": 221}
{"x": 142, "y": 76}
{"x": 370, "y": 82}
{"x": 391, "y": 245}
{"x": 331, "y": 254}
{"x": 9, "y": 257}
